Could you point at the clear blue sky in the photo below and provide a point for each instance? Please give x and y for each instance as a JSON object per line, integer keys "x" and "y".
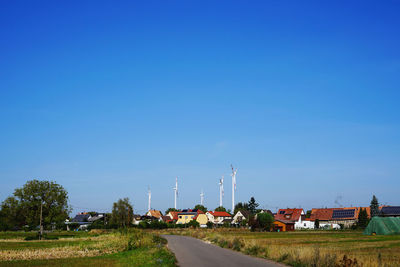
{"x": 110, "y": 98}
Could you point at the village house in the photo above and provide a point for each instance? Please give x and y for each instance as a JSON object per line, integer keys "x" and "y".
{"x": 334, "y": 217}
{"x": 240, "y": 216}
{"x": 185, "y": 216}
{"x": 218, "y": 217}
{"x": 295, "y": 216}
{"x": 390, "y": 211}
{"x": 173, "y": 215}
{"x": 154, "y": 213}
{"x": 202, "y": 219}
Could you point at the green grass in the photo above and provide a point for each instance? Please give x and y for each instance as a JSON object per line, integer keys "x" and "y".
{"x": 59, "y": 234}
{"x": 40, "y": 244}
{"x": 138, "y": 257}
{"x": 134, "y": 248}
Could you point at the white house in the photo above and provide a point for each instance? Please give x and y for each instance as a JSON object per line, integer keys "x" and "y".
{"x": 217, "y": 217}
{"x": 240, "y": 216}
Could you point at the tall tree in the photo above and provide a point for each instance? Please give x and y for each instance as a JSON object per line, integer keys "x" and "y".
{"x": 253, "y": 205}
{"x": 265, "y": 220}
{"x": 241, "y": 206}
{"x": 220, "y": 208}
{"x": 170, "y": 209}
{"x": 200, "y": 207}
{"x": 362, "y": 218}
{"x": 35, "y": 198}
{"x": 122, "y": 213}
{"x": 374, "y": 206}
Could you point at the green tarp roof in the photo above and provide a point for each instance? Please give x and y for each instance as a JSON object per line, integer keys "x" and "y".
{"x": 383, "y": 226}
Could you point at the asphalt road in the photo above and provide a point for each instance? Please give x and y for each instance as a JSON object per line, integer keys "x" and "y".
{"x": 192, "y": 252}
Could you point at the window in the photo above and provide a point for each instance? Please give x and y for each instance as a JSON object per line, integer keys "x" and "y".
{"x": 180, "y": 216}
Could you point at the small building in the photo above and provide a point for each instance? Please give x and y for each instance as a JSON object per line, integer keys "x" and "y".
{"x": 281, "y": 225}
{"x": 297, "y": 216}
{"x": 383, "y": 226}
{"x": 202, "y": 219}
{"x": 154, "y": 213}
{"x": 217, "y": 217}
{"x": 240, "y": 216}
{"x": 136, "y": 219}
{"x": 185, "y": 216}
{"x": 173, "y": 215}
{"x": 390, "y": 211}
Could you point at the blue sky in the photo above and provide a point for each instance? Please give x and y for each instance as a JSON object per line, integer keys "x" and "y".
{"x": 110, "y": 98}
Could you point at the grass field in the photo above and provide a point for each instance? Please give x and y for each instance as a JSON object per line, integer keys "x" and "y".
{"x": 307, "y": 248}
{"x": 120, "y": 248}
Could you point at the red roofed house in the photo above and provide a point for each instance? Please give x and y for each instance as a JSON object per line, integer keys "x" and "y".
{"x": 217, "y": 217}
{"x": 154, "y": 213}
{"x": 295, "y": 216}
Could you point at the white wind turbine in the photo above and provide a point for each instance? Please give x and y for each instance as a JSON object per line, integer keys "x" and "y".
{"x": 233, "y": 187}
{"x": 221, "y": 190}
{"x": 149, "y": 195}
{"x": 175, "y": 191}
{"x": 202, "y": 198}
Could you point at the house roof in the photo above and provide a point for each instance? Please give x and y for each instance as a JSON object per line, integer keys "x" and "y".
{"x": 166, "y": 218}
{"x": 155, "y": 213}
{"x": 220, "y": 214}
{"x": 288, "y": 214}
{"x": 347, "y": 213}
{"x": 245, "y": 213}
{"x": 391, "y": 210}
{"x": 285, "y": 221}
{"x": 81, "y": 218}
{"x": 174, "y": 215}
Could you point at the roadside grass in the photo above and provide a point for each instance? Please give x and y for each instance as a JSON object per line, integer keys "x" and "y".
{"x": 306, "y": 248}
{"x": 130, "y": 247}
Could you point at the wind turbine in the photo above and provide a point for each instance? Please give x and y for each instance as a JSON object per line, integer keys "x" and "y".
{"x": 221, "y": 190}
{"x": 149, "y": 195}
{"x": 175, "y": 191}
{"x": 202, "y": 198}
{"x": 233, "y": 187}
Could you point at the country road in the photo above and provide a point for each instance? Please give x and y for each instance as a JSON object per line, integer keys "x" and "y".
{"x": 192, "y": 252}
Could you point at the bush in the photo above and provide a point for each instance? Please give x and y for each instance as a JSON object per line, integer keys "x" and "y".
{"x": 253, "y": 250}
{"x": 237, "y": 244}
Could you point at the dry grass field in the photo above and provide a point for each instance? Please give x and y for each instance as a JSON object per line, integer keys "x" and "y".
{"x": 119, "y": 248}
{"x": 307, "y": 248}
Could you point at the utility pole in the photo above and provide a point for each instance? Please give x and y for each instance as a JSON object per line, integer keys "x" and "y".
{"x": 41, "y": 219}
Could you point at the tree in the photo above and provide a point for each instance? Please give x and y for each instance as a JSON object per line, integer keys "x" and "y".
{"x": 241, "y": 206}
{"x": 316, "y": 226}
{"x": 10, "y": 215}
{"x": 374, "y": 206}
{"x": 265, "y": 220}
{"x": 308, "y": 214}
{"x": 362, "y": 219}
{"x": 252, "y": 206}
{"x": 220, "y": 208}
{"x": 170, "y": 209}
{"x": 200, "y": 207}
{"x": 122, "y": 213}
{"x": 33, "y": 199}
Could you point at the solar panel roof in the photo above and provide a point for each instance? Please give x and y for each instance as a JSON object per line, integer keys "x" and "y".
{"x": 391, "y": 210}
{"x": 342, "y": 214}
{"x": 282, "y": 212}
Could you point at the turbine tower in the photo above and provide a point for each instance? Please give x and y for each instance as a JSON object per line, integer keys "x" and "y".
{"x": 233, "y": 187}
{"x": 149, "y": 195}
{"x": 221, "y": 190}
{"x": 175, "y": 191}
{"x": 202, "y": 198}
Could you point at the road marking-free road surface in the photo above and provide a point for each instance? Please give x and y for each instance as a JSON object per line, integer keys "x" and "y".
{"x": 192, "y": 252}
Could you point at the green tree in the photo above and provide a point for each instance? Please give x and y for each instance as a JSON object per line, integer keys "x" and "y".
{"x": 170, "y": 209}
{"x": 316, "y": 226}
{"x": 241, "y": 206}
{"x": 308, "y": 214}
{"x": 122, "y": 213}
{"x": 252, "y": 205}
{"x": 34, "y": 197}
{"x": 374, "y": 206}
{"x": 362, "y": 219}
{"x": 200, "y": 207}
{"x": 265, "y": 220}
{"x": 220, "y": 208}
{"x": 10, "y": 215}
